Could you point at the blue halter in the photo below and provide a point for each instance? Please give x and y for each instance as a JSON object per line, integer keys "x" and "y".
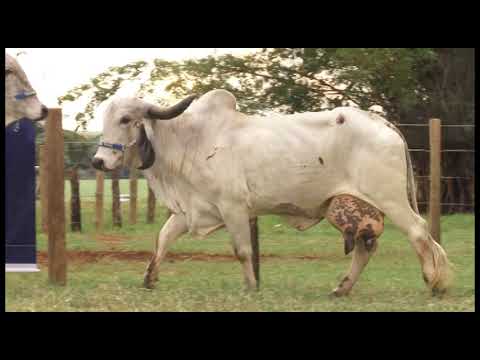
{"x": 25, "y": 94}
{"x": 119, "y": 147}
{"x": 22, "y": 96}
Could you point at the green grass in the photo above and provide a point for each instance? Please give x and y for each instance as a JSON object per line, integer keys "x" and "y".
{"x": 88, "y": 189}
{"x": 392, "y": 280}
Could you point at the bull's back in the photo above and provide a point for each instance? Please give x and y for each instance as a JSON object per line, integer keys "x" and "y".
{"x": 296, "y": 163}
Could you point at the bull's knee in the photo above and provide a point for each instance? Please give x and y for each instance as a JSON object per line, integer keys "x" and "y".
{"x": 243, "y": 253}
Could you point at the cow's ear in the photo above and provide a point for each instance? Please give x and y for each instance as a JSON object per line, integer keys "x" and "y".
{"x": 145, "y": 149}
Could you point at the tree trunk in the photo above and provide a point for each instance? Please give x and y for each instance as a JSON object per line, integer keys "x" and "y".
{"x": 450, "y": 198}
{"x": 116, "y": 211}
{"x": 461, "y": 195}
{"x": 421, "y": 168}
{"x": 75, "y": 215}
{"x": 471, "y": 189}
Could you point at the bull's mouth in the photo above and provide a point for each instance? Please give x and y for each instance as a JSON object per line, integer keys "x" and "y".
{"x": 104, "y": 169}
{"x": 100, "y": 165}
{"x": 40, "y": 118}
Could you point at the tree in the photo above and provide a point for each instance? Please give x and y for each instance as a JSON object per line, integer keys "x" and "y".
{"x": 101, "y": 87}
{"x": 285, "y": 80}
{"x": 449, "y": 83}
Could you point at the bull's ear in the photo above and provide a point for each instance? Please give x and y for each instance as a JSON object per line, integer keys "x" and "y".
{"x": 145, "y": 149}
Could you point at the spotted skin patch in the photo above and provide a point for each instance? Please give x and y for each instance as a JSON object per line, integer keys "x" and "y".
{"x": 357, "y": 220}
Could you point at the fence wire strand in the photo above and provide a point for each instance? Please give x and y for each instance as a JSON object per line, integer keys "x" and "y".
{"x": 446, "y": 125}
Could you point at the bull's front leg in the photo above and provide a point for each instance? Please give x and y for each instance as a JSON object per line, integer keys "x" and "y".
{"x": 238, "y": 225}
{"x": 175, "y": 226}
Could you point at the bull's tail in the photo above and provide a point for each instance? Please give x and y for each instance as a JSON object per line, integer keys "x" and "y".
{"x": 411, "y": 187}
{"x": 443, "y": 268}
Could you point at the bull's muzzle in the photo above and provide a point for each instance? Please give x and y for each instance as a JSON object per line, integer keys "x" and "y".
{"x": 44, "y": 112}
{"x": 98, "y": 164}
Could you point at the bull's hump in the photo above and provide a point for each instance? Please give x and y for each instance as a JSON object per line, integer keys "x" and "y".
{"x": 218, "y": 99}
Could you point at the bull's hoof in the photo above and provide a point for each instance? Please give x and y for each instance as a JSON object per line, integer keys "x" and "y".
{"x": 252, "y": 289}
{"x": 149, "y": 284}
{"x": 438, "y": 292}
{"x": 337, "y": 293}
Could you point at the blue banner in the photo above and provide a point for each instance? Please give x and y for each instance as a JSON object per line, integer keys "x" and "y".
{"x": 20, "y": 233}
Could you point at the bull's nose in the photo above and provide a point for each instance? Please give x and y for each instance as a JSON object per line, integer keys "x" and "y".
{"x": 44, "y": 111}
{"x": 97, "y": 163}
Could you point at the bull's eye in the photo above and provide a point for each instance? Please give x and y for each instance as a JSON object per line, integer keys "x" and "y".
{"x": 125, "y": 120}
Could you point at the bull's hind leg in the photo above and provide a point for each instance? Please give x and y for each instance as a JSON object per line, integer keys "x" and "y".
{"x": 238, "y": 225}
{"x": 433, "y": 259}
{"x": 174, "y": 227}
{"x": 361, "y": 225}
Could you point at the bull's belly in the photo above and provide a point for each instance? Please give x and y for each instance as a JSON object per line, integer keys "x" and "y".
{"x": 292, "y": 195}
{"x": 291, "y": 208}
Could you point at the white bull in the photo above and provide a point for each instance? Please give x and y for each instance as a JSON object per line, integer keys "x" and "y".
{"x": 21, "y": 100}
{"x": 213, "y": 166}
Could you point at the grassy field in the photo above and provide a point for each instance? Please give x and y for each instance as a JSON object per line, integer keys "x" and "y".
{"x": 391, "y": 282}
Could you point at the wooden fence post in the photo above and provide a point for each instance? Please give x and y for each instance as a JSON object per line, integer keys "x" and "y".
{"x": 116, "y": 210}
{"x": 255, "y": 249}
{"x": 151, "y": 206}
{"x": 133, "y": 196}
{"x": 42, "y": 178}
{"x": 99, "y": 201}
{"x": 435, "y": 173}
{"x": 54, "y": 142}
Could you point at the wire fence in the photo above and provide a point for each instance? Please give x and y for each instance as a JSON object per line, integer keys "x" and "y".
{"x": 443, "y": 151}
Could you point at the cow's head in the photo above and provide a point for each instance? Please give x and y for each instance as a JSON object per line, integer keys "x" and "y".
{"x": 124, "y": 131}
{"x": 20, "y": 99}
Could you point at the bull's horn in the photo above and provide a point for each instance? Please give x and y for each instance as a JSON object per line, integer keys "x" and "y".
{"x": 156, "y": 112}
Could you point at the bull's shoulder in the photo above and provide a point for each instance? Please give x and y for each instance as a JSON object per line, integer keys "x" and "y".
{"x": 215, "y": 100}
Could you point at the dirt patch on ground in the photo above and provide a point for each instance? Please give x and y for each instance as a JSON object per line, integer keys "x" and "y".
{"x": 111, "y": 240}
{"x": 95, "y": 256}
